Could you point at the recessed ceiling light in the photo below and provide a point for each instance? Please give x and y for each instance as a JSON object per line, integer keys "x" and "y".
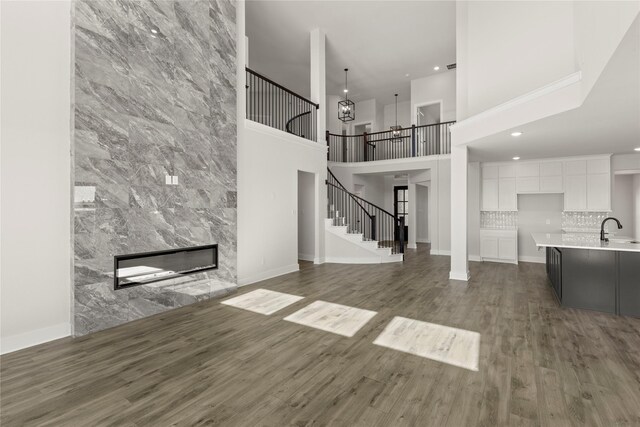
{"x": 406, "y": 75}
{"x": 436, "y": 68}
{"x": 636, "y": 149}
{"x": 345, "y": 90}
{"x": 516, "y": 158}
{"x": 154, "y": 31}
{"x": 516, "y": 133}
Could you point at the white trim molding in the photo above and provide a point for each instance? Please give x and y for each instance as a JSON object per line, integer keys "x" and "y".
{"x": 532, "y": 259}
{"x": 268, "y": 274}
{"x": 454, "y": 275}
{"x": 39, "y": 336}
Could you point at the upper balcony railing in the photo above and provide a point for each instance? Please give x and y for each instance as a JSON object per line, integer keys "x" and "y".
{"x": 414, "y": 141}
{"x": 276, "y": 106}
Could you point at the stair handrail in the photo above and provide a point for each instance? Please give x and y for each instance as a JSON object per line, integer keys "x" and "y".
{"x": 343, "y": 188}
{"x": 397, "y": 220}
{"x": 386, "y": 131}
{"x": 287, "y": 125}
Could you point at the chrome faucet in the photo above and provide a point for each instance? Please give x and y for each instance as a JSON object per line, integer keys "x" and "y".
{"x": 602, "y": 233}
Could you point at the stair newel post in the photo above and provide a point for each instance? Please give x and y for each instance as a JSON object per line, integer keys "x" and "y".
{"x": 364, "y": 139}
{"x": 326, "y": 137}
{"x": 413, "y": 140}
{"x": 401, "y": 233}
{"x": 373, "y": 227}
{"x": 344, "y": 148}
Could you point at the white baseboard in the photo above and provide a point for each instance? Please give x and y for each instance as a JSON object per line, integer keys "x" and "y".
{"x": 306, "y": 257}
{"x": 539, "y": 260}
{"x": 423, "y": 241}
{"x": 456, "y": 275}
{"x": 275, "y": 272}
{"x": 411, "y": 246}
{"x": 475, "y": 258}
{"x": 350, "y": 260}
{"x": 31, "y": 338}
{"x": 440, "y": 252}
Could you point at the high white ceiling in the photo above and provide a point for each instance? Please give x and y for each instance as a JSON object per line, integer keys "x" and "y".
{"x": 379, "y": 41}
{"x": 607, "y": 122}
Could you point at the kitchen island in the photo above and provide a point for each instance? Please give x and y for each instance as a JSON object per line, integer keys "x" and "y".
{"x": 588, "y": 273}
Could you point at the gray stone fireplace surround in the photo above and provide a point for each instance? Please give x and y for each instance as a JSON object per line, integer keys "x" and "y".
{"x": 154, "y": 90}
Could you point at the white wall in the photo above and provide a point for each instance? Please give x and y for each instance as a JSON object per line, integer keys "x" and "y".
{"x": 306, "y": 216}
{"x": 437, "y": 87}
{"x": 405, "y": 118}
{"x": 598, "y": 28}
{"x": 422, "y": 214}
{"x": 365, "y": 113}
{"x": 534, "y": 210}
{"x": 511, "y": 48}
{"x": 268, "y": 165}
{"x": 36, "y": 176}
{"x": 334, "y": 125}
{"x": 473, "y": 210}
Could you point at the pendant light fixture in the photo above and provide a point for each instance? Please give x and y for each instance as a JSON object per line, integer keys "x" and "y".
{"x": 396, "y": 130}
{"x": 346, "y": 108}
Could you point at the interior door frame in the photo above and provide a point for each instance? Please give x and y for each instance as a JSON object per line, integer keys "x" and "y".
{"x": 417, "y": 106}
{"x": 395, "y": 210}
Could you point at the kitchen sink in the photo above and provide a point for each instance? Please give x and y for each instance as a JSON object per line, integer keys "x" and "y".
{"x": 635, "y": 242}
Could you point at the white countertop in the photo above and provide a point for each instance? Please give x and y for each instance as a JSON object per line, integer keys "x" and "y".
{"x": 584, "y": 241}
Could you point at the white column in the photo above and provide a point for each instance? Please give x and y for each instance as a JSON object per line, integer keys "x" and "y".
{"x": 459, "y": 249}
{"x": 319, "y": 96}
{"x": 318, "y": 80}
{"x": 413, "y": 212}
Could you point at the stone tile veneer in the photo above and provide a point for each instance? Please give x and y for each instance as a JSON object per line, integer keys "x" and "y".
{"x": 154, "y": 90}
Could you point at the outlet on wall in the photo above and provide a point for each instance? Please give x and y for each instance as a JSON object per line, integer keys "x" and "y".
{"x": 171, "y": 179}
{"x": 548, "y": 221}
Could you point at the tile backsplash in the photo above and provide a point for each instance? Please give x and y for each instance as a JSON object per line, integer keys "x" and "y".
{"x": 500, "y": 220}
{"x": 583, "y": 221}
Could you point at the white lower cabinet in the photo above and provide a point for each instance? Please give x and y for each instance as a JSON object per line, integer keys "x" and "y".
{"x": 499, "y": 245}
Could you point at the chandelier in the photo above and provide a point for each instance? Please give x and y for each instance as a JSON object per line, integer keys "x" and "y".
{"x": 346, "y": 108}
{"x": 396, "y": 130}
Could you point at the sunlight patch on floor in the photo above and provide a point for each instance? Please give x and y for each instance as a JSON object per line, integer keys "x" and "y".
{"x": 335, "y": 318}
{"x": 457, "y": 347}
{"x": 262, "y": 301}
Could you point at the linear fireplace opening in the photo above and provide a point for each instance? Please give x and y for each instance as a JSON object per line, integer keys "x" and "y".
{"x": 142, "y": 268}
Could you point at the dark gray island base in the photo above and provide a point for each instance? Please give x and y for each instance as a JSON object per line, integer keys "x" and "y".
{"x": 601, "y": 280}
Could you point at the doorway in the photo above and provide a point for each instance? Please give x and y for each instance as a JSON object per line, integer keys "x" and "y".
{"x": 422, "y": 213}
{"x": 429, "y": 114}
{"x": 306, "y": 216}
{"x": 401, "y": 208}
{"x": 361, "y": 128}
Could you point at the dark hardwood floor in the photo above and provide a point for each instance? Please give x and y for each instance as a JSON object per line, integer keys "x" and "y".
{"x": 210, "y": 364}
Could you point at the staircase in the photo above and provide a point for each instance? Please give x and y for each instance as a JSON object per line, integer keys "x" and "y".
{"x": 359, "y": 232}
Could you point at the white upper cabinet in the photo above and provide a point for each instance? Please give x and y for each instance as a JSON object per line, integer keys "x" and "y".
{"x": 507, "y": 171}
{"x": 575, "y": 167}
{"x": 551, "y": 169}
{"x": 539, "y": 177}
{"x": 507, "y": 196}
{"x": 499, "y": 188}
{"x": 528, "y": 180}
{"x": 528, "y": 169}
{"x": 585, "y": 182}
{"x": 598, "y": 166}
{"x": 490, "y": 194}
{"x": 575, "y": 193}
{"x": 598, "y": 192}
